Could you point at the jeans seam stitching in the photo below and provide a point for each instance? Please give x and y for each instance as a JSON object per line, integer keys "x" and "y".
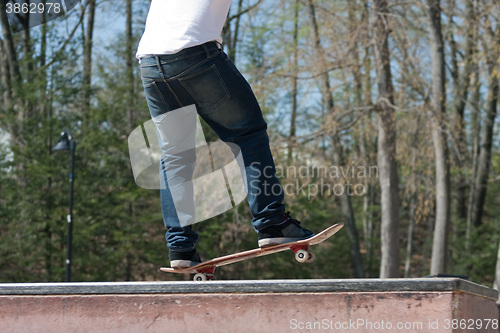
{"x": 161, "y": 95}
{"x": 173, "y": 93}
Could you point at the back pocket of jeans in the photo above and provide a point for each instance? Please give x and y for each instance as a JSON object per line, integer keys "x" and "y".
{"x": 206, "y": 87}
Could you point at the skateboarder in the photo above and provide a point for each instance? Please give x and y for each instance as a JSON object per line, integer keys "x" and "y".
{"x": 182, "y": 63}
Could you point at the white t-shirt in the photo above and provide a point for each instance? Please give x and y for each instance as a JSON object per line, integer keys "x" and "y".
{"x": 173, "y": 25}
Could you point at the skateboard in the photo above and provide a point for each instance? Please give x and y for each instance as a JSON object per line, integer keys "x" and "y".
{"x": 205, "y": 270}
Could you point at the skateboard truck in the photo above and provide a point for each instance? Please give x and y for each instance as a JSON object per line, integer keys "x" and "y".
{"x": 204, "y": 274}
{"x": 302, "y": 254}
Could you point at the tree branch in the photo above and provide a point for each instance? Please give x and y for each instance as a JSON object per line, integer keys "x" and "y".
{"x": 61, "y": 49}
{"x": 237, "y": 15}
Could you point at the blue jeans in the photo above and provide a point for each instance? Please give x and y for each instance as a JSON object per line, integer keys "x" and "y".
{"x": 204, "y": 76}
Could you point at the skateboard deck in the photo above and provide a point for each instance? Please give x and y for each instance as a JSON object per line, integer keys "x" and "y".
{"x": 206, "y": 269}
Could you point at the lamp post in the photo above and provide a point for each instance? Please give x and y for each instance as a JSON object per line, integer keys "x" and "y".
{"x": 66, "y": 142}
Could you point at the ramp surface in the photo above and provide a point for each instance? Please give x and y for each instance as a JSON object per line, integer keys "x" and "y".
{"x": 361, "y": 305}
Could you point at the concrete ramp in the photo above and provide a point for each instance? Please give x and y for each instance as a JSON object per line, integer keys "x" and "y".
{"x": 361, "y": 305}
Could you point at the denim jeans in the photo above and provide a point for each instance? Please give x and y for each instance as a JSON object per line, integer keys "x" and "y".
{"x": 204, "y": 76}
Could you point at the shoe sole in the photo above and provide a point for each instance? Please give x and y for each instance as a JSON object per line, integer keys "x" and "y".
{"x": 182, "y": 263}
{"x": 266, "y": 242}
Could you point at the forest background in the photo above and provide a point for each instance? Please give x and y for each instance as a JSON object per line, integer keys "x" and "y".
{"x": 397, "y": 100}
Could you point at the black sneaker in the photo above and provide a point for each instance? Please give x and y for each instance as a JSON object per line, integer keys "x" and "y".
{"x": 183, "y": 259}
{"x": 285, "y": 232}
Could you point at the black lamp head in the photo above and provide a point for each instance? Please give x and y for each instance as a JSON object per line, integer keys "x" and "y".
{"x": 63, "y": 143}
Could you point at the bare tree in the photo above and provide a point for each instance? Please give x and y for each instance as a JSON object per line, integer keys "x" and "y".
{"x": 388, "y": 173}
{"x": 438, "y": 112}
{"x": 491, "y": 45}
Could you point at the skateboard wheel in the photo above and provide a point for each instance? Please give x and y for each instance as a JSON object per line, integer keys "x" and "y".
{"x": 200, "y": 277}
{"x": 302, "y": 256}
{"x": 311, "y": 257}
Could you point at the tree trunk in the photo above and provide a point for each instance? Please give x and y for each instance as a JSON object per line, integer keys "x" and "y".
{"x": 347, "y": 211}
{"x": 87, "y": 60}
{"x": 129, "y": 65}
{"x": 440, "y": 241}
{"x": 10, "y": 66}
{"x": 475, "y": 130}
{"x": 4, "y": 78}
{"x": 388, "y": 173}
{"x": 366, "y": 125}
{"x": 295, "y": 64}
{"x": 9, "y": 48}
{"x": 462, "y": 82}
{"x": 411, "y": 231}
{"x": 320, "y": 56}
{"x": 492, "y": 50}
{"x": 412, "y": 209}
{"x": 129, "y": 55}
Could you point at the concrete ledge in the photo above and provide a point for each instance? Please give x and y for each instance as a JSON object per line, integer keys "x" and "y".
{"x": 251, "y": 286}
{"x": 364, "y": 305}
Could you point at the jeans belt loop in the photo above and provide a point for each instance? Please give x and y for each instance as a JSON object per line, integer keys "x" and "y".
{"x": 220, "y": 46}
{"x": 158, "y": 64}
{"x": 207, "y": 51}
